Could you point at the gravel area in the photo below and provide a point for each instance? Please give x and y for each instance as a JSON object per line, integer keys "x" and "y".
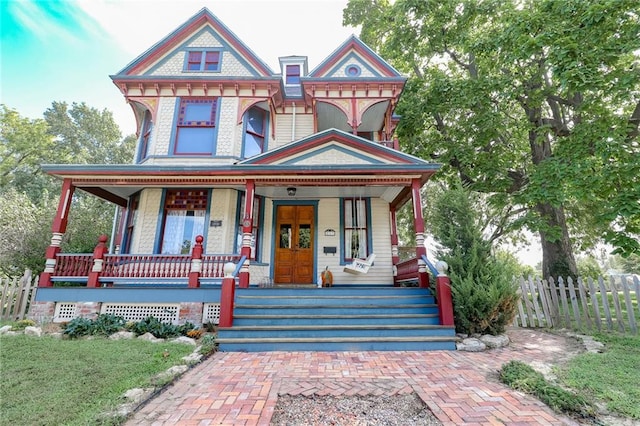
{"x": 370, "y": 410}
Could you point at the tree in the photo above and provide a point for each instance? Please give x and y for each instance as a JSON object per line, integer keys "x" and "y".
{"x": 86, "y": 135}
{"x": 535, "y": 102}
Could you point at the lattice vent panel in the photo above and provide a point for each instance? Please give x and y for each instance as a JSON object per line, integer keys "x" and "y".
{"x": 211, "y": 313}
{"x": 64, "y": 312}
{"x": 137, "y": 312}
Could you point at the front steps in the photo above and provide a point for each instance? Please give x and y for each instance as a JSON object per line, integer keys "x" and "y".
{"x": 335, "y": 319}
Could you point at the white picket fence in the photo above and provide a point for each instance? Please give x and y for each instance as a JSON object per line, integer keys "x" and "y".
{"x": 592, "y": 304}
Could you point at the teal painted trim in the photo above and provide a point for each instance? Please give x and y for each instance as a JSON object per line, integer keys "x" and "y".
{"x": 186, "y": 47}
{"x": 331, "y": 147}
{"x": 236, "y": 232}
{"x": 128, "y": 295}
{"x": 207, "y": 218}
{"x": 267, "y": 126}
{"x": 367, "y": 206}
{"x": 204, "y": 50}
{"x": 159, "y": 222}
{"x": 275, "y": 204}
{"x": 174, "y": 131}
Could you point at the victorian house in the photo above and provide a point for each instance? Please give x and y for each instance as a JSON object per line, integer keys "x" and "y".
{"x": 281, "y": 179}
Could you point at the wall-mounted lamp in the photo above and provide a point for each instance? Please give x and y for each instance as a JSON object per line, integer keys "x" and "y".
{"x": 330, "y": 232}
{"x": 291, "y": 191}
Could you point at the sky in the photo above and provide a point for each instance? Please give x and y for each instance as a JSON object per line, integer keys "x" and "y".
{"x": 65, "y": 50}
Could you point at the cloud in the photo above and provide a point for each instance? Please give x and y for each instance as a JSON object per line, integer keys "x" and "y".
{"x": 53, "y": 22}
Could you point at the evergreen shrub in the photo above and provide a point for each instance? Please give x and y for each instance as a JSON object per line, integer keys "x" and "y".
{"x": 483, "y": 287}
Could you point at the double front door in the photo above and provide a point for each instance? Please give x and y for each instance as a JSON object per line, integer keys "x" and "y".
{"x": 294, "y": 244}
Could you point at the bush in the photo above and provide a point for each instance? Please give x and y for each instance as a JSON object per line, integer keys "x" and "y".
{"x": 482, "y": 286}
{"x": 107, "y": 324}
{"x": 522, "y": 377}
{"x": 208, "y": 344}
{"x": 79, "y": 327}
{"x": 22, "y": 324}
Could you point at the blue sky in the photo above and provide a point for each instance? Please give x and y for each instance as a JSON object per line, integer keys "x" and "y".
{"x": 65, "y": 50}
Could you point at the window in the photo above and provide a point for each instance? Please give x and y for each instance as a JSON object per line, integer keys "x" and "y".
{"x": 255, "y": 234}
{"x": 352, "y": 71}
{"x": 366, "y": 135}
{"x": 145, "y": 135}
{"x": 195, "y": 134}
{"x": 132, "y": 217}
{"x": 355, "y": 228}
{"x": 203, "y": 60}
{"x": 183, "y": 220}
{"x": 293, "y": 74}
{"x": 255, "y": 132}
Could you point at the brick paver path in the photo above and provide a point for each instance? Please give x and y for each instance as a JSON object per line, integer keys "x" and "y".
{"x": 458, "y": 387}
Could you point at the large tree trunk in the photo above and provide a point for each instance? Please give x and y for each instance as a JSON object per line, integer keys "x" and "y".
{"x": 557, "y": 253}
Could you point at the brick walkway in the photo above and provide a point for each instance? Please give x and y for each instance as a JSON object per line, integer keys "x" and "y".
{"x": 458, "y": 387}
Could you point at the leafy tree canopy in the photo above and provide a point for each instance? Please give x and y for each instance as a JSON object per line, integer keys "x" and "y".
{"x": 535, "y": 102}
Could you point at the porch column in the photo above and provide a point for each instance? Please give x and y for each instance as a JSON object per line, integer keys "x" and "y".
{"x": 58, "y": 229}
{"x": 395, "y": 257}
{"x": 421, "y": 250}
{"x": 247, "y": 228}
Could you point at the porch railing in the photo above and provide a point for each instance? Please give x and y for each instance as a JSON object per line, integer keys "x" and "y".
{"x": 103, "y": 267}
{"x": 213, "y": 264}
{"x": 146, "y": 266}
{"x": 407, "y": 271}
{"x": 73, "y": 265}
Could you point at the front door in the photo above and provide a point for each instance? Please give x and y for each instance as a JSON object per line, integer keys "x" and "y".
{"x": 294, "y": 245}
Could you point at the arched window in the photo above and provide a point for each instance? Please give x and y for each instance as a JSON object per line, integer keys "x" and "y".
{"x": 255, "y": 132}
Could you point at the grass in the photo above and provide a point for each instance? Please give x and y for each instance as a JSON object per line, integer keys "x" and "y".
{"x": 611, "y": 377}
{"x": 522, "y": 377}
{"x": 49, "y": 381}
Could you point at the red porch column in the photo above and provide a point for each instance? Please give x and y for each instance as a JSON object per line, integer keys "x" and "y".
{"x": 98, "y": 261}
{"x": 196, "y": 263}
{"x": 443, "y": 291}
{"x": 227, "y": 296}
{"x": 58, "y": 229}
{"x": 421, "y": 250}
{"x": 247, "y": 228}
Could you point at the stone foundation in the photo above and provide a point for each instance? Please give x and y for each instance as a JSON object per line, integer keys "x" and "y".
{"x": 42, "y": 312}
{"x": 191, "y": 312}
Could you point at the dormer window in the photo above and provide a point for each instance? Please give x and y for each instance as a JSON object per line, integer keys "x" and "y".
{"x": 203, "y": 60}
{"x": 293, "y": 74}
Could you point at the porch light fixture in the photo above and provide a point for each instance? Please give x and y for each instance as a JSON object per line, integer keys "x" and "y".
{"x": 291, "y": 191}
{"x": 330, "y": 232}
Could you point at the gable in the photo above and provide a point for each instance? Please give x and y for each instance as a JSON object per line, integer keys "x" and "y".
{"x": 333, "y": 147}
{"x": 354, "y": 52}
{"x": 202, "y": 31}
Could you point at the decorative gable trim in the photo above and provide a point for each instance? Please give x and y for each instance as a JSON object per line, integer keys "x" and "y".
{"x": 354, "y": 44}
{"x": 177, "y": 37}
{"x": 308, "y": 145}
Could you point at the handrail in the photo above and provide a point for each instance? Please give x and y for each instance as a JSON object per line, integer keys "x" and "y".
{"x": 236, "y": 272}
{"x": 432, "y": 268}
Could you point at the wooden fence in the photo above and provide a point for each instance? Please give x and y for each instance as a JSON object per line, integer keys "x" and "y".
{"x": 593, "y": 304}
{"x": 17, "y": 294}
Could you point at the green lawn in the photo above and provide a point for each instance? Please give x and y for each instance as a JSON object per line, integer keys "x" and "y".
{"x": 48, "y": 381}
{"x": 612, "y": 377}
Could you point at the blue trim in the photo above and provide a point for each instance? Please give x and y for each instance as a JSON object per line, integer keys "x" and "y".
{"x": 129, "y": 295}
{"x": 174, "y": 130}
{"x": 275, "y": 204}
{"x": 432, "y": 268}
{"x": 267, "y": 124}
{"x": 159, "y": 223}
{"x": 185, "y": 47}
{"x": 367, "y": 206}
{"x": 161, "y": 216}
{"x": 236, "y": 271}
{"x": 204, "y": 50}
{"x": 354, "y": 66}
{"x": 337, "y": 147}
